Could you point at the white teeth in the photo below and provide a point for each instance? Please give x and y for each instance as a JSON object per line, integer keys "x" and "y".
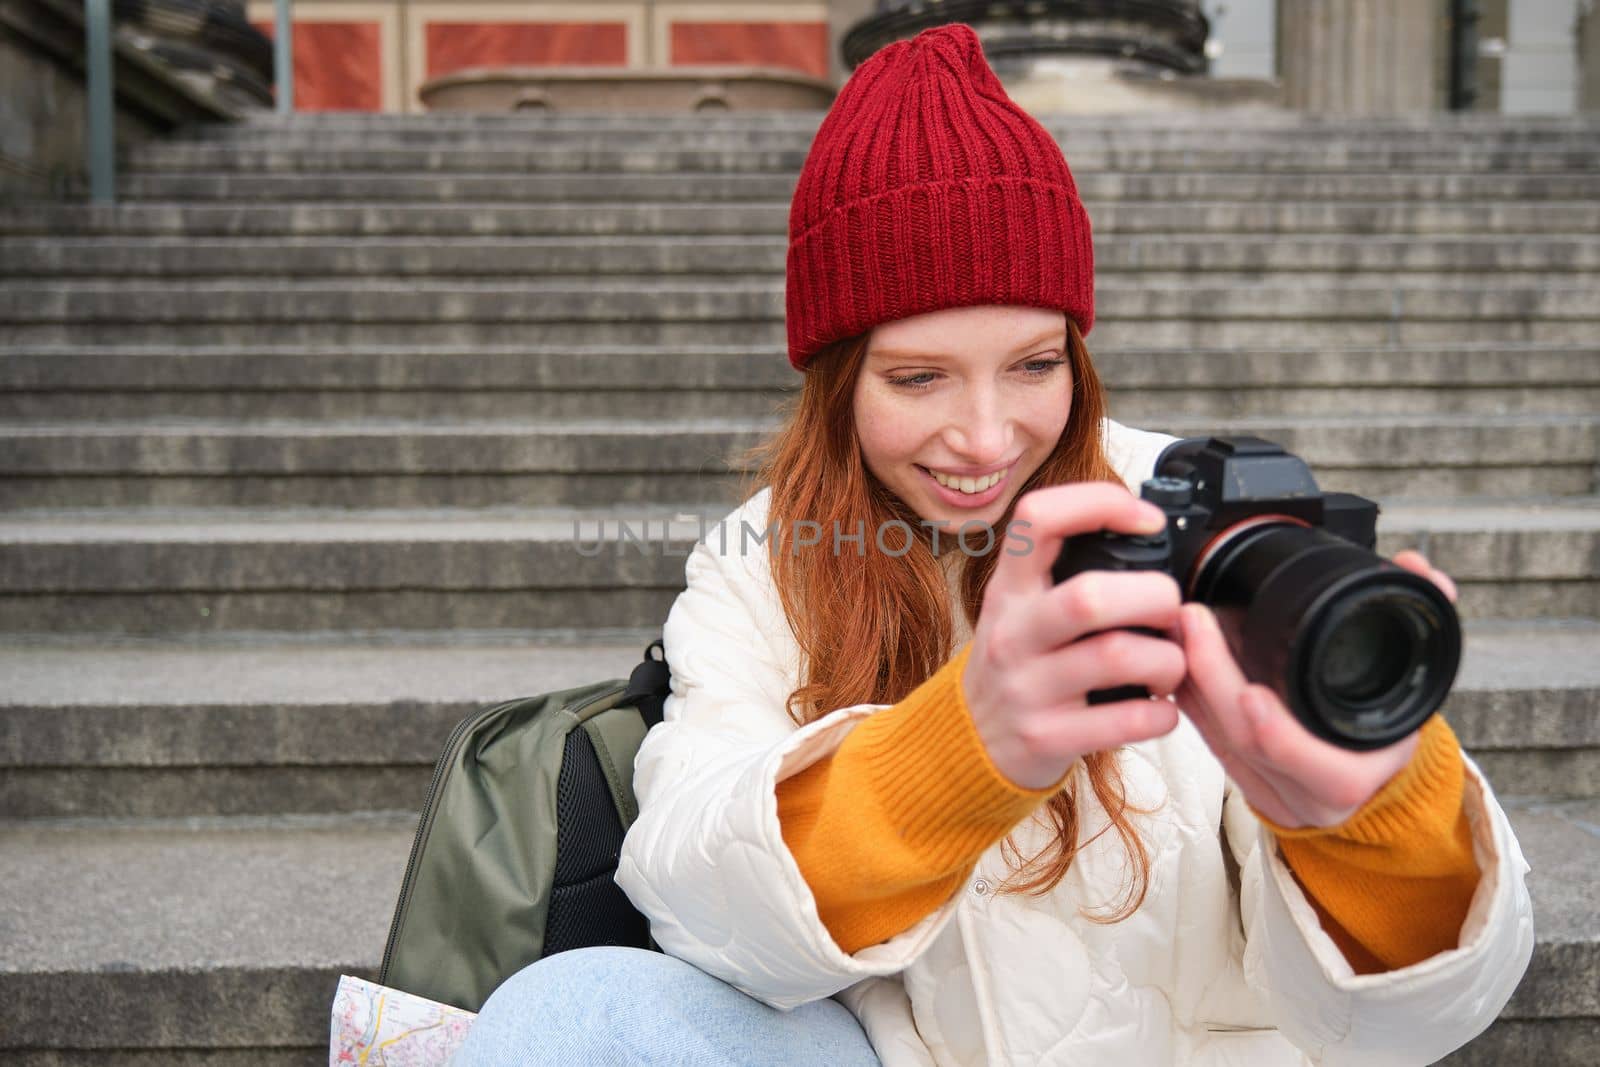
{"x": 967, "y": 485}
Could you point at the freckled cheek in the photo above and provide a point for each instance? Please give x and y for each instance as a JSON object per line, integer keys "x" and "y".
{"x": 1049, "y": 418}
{"x": 892, "y": 432}
{"x": 1049, "y": 424}
{"x": 884, "y": 447}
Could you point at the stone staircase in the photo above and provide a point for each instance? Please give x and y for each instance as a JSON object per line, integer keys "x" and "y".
{"x": 293, "y": 442}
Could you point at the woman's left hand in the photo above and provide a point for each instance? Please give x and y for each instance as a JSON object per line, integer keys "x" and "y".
{"x": 1287, "y": 774}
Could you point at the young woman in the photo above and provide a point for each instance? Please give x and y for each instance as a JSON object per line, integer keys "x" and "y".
{"x": 881, "y": 823}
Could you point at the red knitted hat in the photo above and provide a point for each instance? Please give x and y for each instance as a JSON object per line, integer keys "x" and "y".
{"x": 927, "y": 187}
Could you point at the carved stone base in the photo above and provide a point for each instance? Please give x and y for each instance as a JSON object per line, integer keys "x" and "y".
{"x": 627, "y": 89}
{"x": 1089, "y": 86}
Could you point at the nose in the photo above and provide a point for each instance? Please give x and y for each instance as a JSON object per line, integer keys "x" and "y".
{"x": 980, "y": 429}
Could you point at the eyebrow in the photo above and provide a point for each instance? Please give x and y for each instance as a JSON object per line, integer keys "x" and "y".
{"x": 895, "y": 353}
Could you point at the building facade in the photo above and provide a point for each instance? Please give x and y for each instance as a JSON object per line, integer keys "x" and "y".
{"x": 1350, "y": 56}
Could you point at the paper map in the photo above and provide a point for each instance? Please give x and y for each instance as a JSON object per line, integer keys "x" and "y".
{"x": 383, "y": 1027}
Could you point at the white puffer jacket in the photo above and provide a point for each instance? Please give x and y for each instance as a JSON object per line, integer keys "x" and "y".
{"x": 1225, "y": 962}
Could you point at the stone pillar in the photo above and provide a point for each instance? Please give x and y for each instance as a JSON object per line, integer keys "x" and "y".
{"x": 1358, "y": 57}
{"x": 843, "y": 14}
{"x": 1589, "y": 56}
{"x": 1244, "y": 38}
{"x": 1539, "y": 74}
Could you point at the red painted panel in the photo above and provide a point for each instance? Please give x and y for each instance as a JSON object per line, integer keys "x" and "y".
{"x": 459, "y": 45}
{"x": 801, "y": 46}
{"x": 338, "y": 66}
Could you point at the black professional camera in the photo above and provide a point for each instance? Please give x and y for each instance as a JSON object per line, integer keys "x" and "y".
{"x": 1360, "y": 649}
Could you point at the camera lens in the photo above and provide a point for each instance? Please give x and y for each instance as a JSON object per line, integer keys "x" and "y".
{"x": 1360, "y": 650}
{"x": 1376, "y": 657}
{"x": 1365, "y": 656}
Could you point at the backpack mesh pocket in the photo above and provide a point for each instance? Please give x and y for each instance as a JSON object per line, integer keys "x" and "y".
{"x": 587, "y": 907}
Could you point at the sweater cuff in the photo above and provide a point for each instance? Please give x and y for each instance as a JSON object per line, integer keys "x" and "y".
{"x": 1410, "y": 804}
{"x": 932, "y": 775}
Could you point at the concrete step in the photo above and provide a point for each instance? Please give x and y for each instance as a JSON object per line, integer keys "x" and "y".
{"x": 277, "y": 571}
{"x": 120, "y": 954}
{"x": 666, "y": 312}
{"x": 1540, "y": 560}
{"x": 782, "y": 130}
{"x": 420, "y": 383}
{"x": 142, "y": 572}
{"x": 1102, "y": 138}
{"x": 669, "y": 153}
{"x": 52, "y": 384}
{"x": 1448, "y": 125}
{"x": 382, "y": 300}
{"x": 635, "y": 326}
{"x": 390, "y": 463}
{"x": 321, "y": 723}
{"x": 302, "y": 724}
{"x": 1095, "y": 187}
{"x": 1313, "y": 260}
{"x": 1526, "y": 705}
{"x": 1232, "y": 217}
{"x": 189, "y": 941}
{"x": 364, "y": 464}
{"x": 1487, "y": 380}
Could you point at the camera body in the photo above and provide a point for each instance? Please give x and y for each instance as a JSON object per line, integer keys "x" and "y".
{"x": 1361, "y": 650}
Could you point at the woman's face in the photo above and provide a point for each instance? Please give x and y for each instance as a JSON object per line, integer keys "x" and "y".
{"x": 948, "y": 400}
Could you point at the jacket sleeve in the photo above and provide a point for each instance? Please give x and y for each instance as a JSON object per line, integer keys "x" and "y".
{"x": 706, "y": 861}
{"x": 1411, "y": 1015}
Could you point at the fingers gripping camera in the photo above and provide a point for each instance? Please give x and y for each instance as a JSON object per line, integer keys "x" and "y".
{"x": 1361, "y": 650}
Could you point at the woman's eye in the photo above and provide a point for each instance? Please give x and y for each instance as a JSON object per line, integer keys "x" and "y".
{"x": 1033, "y": 368}
{"x": 1038, "y": 368}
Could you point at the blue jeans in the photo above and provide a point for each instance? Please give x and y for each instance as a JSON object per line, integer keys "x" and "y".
{"x": 628, "y": 1006}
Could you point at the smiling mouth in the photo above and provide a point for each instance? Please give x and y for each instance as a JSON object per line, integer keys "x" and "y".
{"x": 968, "y": 486}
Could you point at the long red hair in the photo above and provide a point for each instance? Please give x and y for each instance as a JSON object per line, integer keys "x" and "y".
{"x": 873, "y": 627}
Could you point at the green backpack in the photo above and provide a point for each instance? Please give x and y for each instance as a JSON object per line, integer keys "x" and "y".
{"x": 519, "y": 838}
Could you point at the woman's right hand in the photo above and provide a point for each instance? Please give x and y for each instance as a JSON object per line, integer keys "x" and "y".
{"x": 1031, "y": 666}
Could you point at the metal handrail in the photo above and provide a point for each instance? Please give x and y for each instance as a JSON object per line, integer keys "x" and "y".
{"x": 283, "y": 58}
{"x": 100, "y": 90}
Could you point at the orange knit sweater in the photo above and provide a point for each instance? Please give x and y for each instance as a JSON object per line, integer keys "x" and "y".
{"x": 891, "y": 824}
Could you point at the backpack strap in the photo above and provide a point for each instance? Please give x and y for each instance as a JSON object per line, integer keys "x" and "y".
{"x": 649, "y": 685}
